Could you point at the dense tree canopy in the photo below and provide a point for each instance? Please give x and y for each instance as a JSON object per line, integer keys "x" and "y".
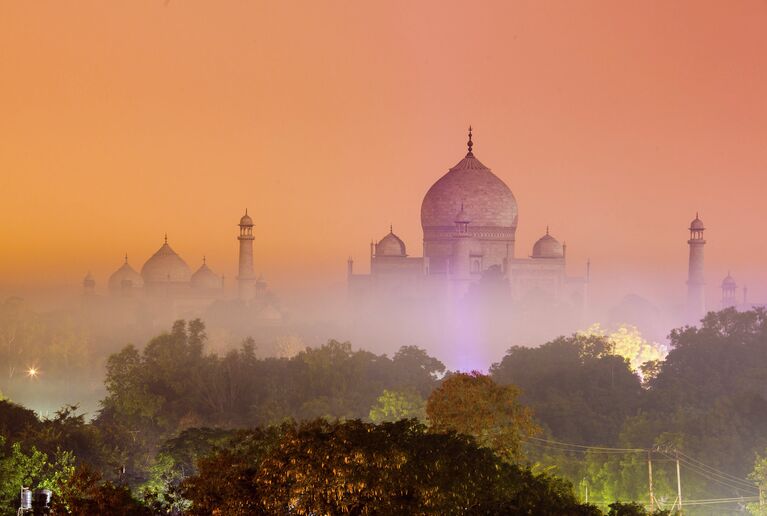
{"x": 182, "y": 429}
{"x": 172, "y": 385}
{"x": 360, "y": 468}
{"x": 578, "y": 389}
{"x": 473, "y": 404}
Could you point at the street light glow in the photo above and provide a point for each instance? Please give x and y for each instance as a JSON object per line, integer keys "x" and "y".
{"x": 32, "y": 372}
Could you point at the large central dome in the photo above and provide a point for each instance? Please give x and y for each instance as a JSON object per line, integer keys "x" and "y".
{"x": 165, "y": 266}
{"x": 486, "y": 206}
{"x": 488, "y": 201}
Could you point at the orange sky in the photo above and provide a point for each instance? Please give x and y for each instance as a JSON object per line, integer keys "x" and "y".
{"x": 611, "y": 121}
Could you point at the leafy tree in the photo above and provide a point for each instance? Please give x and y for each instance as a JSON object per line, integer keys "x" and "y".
{"x": 632, "y": 509}
{"x": 577, "y": 388}
{"x": 85, "y": 494}
{"x": 359, "y": 468}
{"x": 759, "y": 476}
{"x": 395, "y": 405}
{"x": 15, "y": 419}
{"x": 33, "y": 469}
{"x": 473, "y": 404}
{"x": 224, "y": 481}
{"x": 627, "y": 342}
{"x": 710, "y": 390}
{"x": 161, "y": 491}
{"x": 66, "y": 430}
{"x": 416, "y": 370}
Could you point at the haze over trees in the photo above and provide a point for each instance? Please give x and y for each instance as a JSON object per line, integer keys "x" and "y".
{"x": 182, "y": 429}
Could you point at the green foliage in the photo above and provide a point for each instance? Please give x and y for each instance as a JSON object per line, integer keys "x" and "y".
{"x": 473, "y": 404}
{"x": 759, "y": 476}
{"x": 627, "y": 342}
{"x": 360, "y": 468}
{"x": 172, "y": 385}
{"x": 32, "y": 469}
{"x": 15, "y": 419}
{"x": 85, "y": 494}
{"x": 161, "y": 491}
{"x": 633, "y": 509}
{"x": 395, "y": 405}
{"x": 711, "y": 391}
{"x": 172, "y": 409}
{"x": 577, "y": 388}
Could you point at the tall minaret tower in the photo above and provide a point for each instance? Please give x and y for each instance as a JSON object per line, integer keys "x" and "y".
{"x": 696, "y": 301}
{"x": 246, "y": 278}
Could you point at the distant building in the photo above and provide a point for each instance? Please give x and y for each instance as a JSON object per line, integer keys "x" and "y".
{"x": 730, "y": 295}
{"x": 729, "y": 292}
{"x": 469, "y": 221}
{"x": 167, "y": 285}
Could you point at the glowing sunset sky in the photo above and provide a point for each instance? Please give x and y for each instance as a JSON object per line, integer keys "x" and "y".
{"x": 613, "y": 122}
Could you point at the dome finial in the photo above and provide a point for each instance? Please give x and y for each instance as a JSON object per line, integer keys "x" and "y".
{"x": 126, "y": 257}
{"x": 166, "y": 238}
{"x": 391, "y": 228}
{"x": 204, "y": 262}
{"x": 246, "y": 211}
{"x": 470, "y": 144}
{"x": 547, "y": 229}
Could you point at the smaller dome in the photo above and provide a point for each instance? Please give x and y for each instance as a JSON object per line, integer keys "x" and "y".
{"x": 390, "y": 245}
{"x": 246, "y": 220}
{"x": 729, "y": 282}
{"x": 697, "y": 224}
{"x": 125, "y": 277}
{"x": 205, "y": 278}
{"x": 548, "y": 247}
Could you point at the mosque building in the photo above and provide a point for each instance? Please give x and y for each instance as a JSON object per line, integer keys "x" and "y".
{"x": 731, "y": 299}
{"x": 469, "y": 219}
{"x": 167, "y": 283}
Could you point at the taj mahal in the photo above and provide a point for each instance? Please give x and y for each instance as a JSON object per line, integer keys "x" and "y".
{"x": 469, "y": 220}
{"x": 469, "y": 286}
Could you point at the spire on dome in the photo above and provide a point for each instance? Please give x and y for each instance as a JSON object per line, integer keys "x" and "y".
{"x": 166, "y": 238}
{"x": 547, "y": 229}
{"x": 470, "y": 144}
{"x": 126, "y": 257}
{"x": 204, "y": 261}
{"x": 391, "y": 228}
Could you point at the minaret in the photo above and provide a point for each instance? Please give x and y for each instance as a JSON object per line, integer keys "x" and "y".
{"x": 246, "y": 279}
{"x": 696, "y": 301}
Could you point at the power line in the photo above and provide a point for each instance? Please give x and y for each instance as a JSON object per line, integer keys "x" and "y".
{"x": 714, "y": 470}
{"x": 731, "y": 484}
{"x": 634, "y": 450}
{"x": 709, "y": 472}
{"x": 575, "y": 450}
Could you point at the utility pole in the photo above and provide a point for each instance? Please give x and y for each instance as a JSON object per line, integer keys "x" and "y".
{"x": 678, "y": 482}
{"x": 649, "y": 471}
